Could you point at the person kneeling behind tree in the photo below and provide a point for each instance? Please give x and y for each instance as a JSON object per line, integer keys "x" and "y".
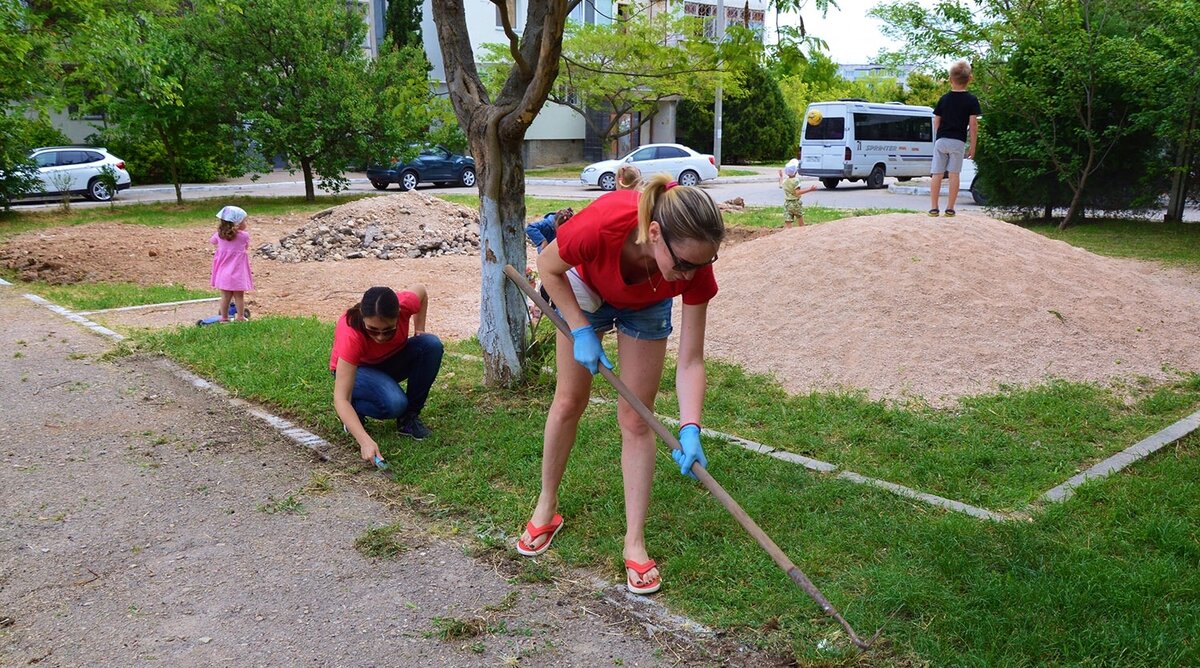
{"x": 373, "y": 352}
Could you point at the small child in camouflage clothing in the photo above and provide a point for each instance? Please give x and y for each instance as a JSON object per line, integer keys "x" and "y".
{"x": 793, "y": 209}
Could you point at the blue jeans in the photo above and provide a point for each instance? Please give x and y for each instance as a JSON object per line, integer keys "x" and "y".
{"x": 652, "y": 323}
{"x": 377, "y": 392}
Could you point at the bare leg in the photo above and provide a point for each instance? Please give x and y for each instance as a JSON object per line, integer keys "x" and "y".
{"x": 239, "y": 300}
{"x": 641, "y": 370}
{"x": 571, "y": 393}
{"x": 953, "y": 196}
{"x": 935, "y": 189}
{"x": 224, "y": 311}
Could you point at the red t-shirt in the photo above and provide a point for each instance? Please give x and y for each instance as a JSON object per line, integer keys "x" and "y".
{"x": 359, "y": 349}
{"x": 592, "y": 243}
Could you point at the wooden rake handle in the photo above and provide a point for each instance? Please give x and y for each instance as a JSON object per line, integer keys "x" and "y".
{"x": 702, "y": 475}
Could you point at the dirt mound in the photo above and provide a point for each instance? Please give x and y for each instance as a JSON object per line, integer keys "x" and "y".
{"x": 901, "y": 304}
{"x": 408, "y": 225}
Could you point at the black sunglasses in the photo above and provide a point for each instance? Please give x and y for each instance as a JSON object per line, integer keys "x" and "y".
{"x": 681, "y": 265}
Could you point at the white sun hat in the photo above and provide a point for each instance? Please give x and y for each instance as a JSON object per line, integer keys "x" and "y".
{"x": 232, "y": 214}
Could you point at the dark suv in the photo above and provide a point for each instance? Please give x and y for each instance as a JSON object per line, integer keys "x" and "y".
{"x": 433, "y": 164}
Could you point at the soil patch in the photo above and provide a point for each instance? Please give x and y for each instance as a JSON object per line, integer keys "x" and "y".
{"x": 900, "y": 304}
{"x": 897, "y": 304}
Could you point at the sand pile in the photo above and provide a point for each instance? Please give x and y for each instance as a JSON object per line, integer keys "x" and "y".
{"x": 901, "y": 304}
{"x": 406, "y": 225}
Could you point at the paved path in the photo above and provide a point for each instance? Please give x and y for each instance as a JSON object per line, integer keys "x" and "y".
{"x": 134, "y": 527}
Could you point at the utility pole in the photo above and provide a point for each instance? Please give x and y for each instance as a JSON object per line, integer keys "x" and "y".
{"x": 717, "y": 105}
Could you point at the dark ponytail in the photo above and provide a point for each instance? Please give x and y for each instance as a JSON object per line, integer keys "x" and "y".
{"x": 376, "y": 302}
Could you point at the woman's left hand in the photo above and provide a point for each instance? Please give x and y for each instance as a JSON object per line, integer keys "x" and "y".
{"x": 690, "y": 452}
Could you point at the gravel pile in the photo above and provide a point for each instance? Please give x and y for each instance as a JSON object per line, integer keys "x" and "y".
{"x": 406, "y": 225}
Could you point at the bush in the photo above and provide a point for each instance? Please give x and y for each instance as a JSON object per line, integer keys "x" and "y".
{"x": 758, "y": 126}
{"x": 146, "y": 158}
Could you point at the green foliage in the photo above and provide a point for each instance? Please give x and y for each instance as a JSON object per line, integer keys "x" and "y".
{"x": 402, "y": 25}
{"x": 756, "y": 126}
{"x": 18, "y": 174}
{"x": 305, "y": 89}
{"x": 630, "y": 66}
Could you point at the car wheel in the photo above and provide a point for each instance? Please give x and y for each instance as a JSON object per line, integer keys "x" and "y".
{"x": 97, "y": 191}
{"x": 830, "y": 184}
{"x": 979, "y": 197}
{"x": 380, "y": 185}
{"x": 689, "y": 178}
{"x": 875, "y": 179}
{"x": 409, "y": 180}
{"x": 468, "y": 177}
{"x": 608, "y": 181}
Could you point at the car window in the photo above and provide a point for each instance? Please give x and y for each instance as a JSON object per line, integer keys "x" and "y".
{"x": 47, "y": 159}
{"x": 441, "y": 152}
{"x": 428, "y": 152}
{"x": 93, "y": 156}
{"x": 642, "y": 154}
{"x": 71, "y": 158}
{"x": 671, "y": 152}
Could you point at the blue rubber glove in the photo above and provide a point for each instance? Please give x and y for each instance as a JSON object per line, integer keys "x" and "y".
{"x": 691, "y": 452}
{"x": 588, "y": 351}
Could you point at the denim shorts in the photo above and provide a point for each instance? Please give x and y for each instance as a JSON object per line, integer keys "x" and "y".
{"x": 652, "y": 323}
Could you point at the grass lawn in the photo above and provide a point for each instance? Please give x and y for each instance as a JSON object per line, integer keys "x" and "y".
{"x": 99, "y": 296}
{"x": 1170, "y": 243}
{"x": 1111, "y": 577}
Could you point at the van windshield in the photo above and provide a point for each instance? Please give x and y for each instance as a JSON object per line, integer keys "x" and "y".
{"x": 827, "y": 129}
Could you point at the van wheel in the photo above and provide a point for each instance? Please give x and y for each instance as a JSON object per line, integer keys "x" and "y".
{"x": 830, "y": 184}
{"x": 979, "y": 197}
{"x": 875, "y": 179}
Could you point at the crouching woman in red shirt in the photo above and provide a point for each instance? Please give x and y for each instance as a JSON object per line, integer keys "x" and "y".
{"x": 631, "y": 253}
{"x": 372, "y": 353}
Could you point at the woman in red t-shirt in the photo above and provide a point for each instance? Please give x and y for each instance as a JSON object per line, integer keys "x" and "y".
{"x": 631, "y": 254}
{"x": 372, "y": 352}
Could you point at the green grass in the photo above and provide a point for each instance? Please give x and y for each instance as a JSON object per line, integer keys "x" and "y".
{"x": 772, "y": 216}
{"x": 998, "y": 451}
{"x": 1170, "y": 243}
{"x": 1111, "y": 577}
{"x": 564, "y": 171}
{"x": 733, "y": 171}
{"x": 98, "y": 296}
{"x": 161, "y": 214}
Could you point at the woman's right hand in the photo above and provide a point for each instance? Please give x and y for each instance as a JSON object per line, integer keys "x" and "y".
{"x": 588, "y": 350}
{"x": 369, "y": 449}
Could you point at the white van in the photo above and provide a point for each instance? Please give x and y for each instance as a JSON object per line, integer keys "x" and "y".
{"x": 854, "y": 140}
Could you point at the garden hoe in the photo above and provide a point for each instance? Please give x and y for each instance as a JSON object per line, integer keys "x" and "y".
{"x": 702, "y": 475}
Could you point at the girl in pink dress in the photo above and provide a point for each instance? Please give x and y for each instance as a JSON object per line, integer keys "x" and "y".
{"x": 231, "y": 264}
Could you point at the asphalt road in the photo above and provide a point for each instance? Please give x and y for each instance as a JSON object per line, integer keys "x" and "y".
{"x": 762, "y": 190}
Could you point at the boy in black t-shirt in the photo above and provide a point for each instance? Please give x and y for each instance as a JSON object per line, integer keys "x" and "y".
{"x": 955, "y": 120}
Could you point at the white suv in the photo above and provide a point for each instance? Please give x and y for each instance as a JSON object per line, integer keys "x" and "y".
{"x": 76, "y": 169}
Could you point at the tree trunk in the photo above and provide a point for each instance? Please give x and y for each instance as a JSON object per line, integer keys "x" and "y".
{"x": 496, "y": 131}
{"x": 502, "y": 314}
{"x": 1177, "y": 195}
{"x": 306, "y": 166}
{"x": 173, "y": 162}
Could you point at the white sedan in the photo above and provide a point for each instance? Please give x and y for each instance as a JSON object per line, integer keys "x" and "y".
{"x": 684, "y": 165}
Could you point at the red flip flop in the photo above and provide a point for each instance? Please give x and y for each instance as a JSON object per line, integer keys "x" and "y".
{"x": 556, "y": 523}
{"x": 641, "y": 569}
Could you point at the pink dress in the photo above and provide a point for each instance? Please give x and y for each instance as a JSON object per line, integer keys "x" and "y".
{"x": 231, "y": 264}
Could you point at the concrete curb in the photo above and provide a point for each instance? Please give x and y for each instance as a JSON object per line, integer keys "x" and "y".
{"x": 1133, "y": 453}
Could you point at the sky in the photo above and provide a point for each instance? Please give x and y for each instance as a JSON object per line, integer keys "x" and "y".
{"x": 853, "y": 37}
